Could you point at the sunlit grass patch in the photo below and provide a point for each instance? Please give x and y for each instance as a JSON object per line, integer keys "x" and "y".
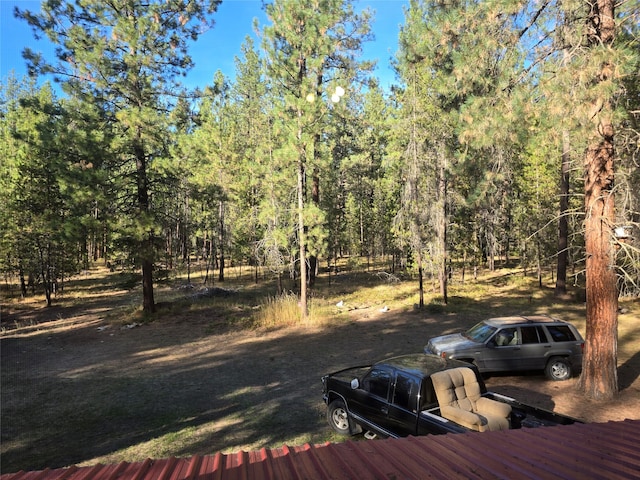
{"x": 279, "y": 311}
{"x": 165, "y": 445}
{"x": 284, "y": 310}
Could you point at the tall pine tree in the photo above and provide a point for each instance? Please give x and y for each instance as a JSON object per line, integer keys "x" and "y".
{"x": 311, "y": 49}
{"x": 127, "y": 55}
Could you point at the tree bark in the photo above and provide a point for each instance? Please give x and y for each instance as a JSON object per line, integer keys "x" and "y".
{"x": 45, "y": 269}
{"x": 146, "y": 245}
{"x": 301, "y": 225}
{"x": 420, "y": 287}
{"x": 148, "y": 302}
{"x": 315, "y": 198}
{"x": 301, "y": 238}
{"x": 23, "y": 284}
{"x": 600, "y": 376}
{"x": 221, "y": 241}
{"x": 442, "y": 228}
{"x": 563, "y": 224}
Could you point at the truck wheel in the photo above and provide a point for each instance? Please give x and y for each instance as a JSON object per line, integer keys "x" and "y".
{"x": 338, "y": 417}
{"x": 558, "y": 369}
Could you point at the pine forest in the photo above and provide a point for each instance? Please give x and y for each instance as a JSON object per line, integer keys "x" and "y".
{"x": 511, "y": 135}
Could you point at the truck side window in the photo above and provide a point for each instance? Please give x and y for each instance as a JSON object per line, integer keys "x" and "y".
{"x": 405, "y": 393}
{"x": 377, "y": 382}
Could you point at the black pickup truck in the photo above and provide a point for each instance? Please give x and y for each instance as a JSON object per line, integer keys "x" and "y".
{"x": 423, "y": 394}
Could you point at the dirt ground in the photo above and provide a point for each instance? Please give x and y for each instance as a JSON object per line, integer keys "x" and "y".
{"x": 229, "y": 390}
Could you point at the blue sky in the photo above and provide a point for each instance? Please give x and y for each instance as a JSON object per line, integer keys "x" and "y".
{"x": 216, "y": 49}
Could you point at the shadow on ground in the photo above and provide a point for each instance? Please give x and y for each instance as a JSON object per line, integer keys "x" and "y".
{"x": 179, "y": 386}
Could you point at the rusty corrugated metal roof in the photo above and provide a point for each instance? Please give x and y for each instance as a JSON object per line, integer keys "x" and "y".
{"x": 580, "y": 451}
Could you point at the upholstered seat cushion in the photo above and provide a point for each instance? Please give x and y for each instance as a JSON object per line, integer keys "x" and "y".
{"x": 491, "y": 407}
{"x": 461, "y": 401}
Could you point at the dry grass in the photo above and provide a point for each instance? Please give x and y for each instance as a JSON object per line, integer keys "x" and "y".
{"x": 279, "y": 311}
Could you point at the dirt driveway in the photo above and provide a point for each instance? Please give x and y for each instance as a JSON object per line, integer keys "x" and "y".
{"x": 80, "y": 391}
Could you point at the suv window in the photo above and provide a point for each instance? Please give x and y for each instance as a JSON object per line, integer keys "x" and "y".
{"x": 377, "y": 382}
{"x": 506, "y": 336}
{"x": 480, "y": 332}
{"x": 405, "y": 393}
{"x": 532, "y": 335}
{"x": 561, "y": 333}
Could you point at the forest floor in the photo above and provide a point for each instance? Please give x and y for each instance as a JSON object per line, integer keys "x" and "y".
{"x": 82, "y": 383}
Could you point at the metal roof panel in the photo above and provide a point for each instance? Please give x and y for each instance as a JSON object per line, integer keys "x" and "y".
{"x": 578, "y": 451}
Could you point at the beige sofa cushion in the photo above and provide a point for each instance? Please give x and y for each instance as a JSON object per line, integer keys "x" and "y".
{"x": 491, "y": 407}
{"x": 462, "y": 417}
{"x": 460, "y": 401}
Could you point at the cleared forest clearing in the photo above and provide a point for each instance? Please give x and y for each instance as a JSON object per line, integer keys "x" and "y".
{"x": 93, "y": 380}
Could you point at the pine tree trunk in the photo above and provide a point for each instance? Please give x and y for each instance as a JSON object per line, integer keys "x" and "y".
{"x": 23, "y": 283}
{"x": 315, "y": 198}
{"x": 301, "y": 226}
{"x": 221, "y": 241}
{"x": 301, "y": 240}
{"x": 148, "y": 303}
{"x": 442, "y": 229}
{"x": 421, "y": 286}
{"x": 599, "y": 378}
{"x": 563, "y": 224}
{"x": 146, "y": 245}
{"x": 45, "y": 268}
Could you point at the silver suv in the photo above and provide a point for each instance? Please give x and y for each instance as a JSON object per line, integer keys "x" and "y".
{"x": 510, "y": 344}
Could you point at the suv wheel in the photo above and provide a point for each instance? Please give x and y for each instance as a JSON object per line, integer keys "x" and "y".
{"x": 558, "y": 369}
{"x": 338, "y": 417}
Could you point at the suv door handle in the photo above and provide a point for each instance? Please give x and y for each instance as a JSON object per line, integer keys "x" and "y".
{"x": 385, "y": 410}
